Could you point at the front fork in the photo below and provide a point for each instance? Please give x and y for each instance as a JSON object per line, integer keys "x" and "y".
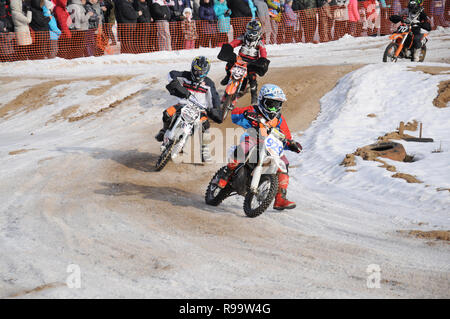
{"x": 257, "y": 171}
{"x": 400, "y": 48}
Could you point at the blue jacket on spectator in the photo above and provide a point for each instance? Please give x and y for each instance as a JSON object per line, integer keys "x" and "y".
{"x": 54, "y": 30}
{"x": 206, "y": 12}
{"x": 220, "y": 8}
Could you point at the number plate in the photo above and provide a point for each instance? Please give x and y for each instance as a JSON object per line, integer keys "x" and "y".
{"x": 274, "y": 145}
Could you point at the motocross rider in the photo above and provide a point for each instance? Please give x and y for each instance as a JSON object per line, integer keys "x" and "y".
{"x": 193, "y": 84}
{"x": 418, "y": 20}
{"x": 268, "y": 106}
{"x": 252, "y": 49}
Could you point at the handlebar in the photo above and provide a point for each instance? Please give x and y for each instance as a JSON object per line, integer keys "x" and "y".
{"x": 194, "y": 101}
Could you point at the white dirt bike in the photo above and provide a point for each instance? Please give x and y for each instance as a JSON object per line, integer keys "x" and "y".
{"x": 185, "y": 125}
{"x": 255, "y": 178}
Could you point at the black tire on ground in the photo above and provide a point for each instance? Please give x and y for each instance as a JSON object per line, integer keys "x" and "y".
{"x": 265, "y": 203}
{"x": 390, "y": 52}
{"x": 214, "y": 195}
{"x": 164, "y": 157}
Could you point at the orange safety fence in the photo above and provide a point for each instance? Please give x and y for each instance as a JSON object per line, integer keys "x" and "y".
{"x": 313, "y": 25}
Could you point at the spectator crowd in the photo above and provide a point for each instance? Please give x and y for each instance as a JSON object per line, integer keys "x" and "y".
{"x": 38, "y": 29}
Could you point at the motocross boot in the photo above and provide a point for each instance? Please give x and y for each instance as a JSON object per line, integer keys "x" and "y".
{"x": 206, "y": 154}
{"x": 416, "y": 55}
{"x": 160, "y": 136}
{"x": 281, "y": 201}
{"x": 226, "y": 78}
{"x": 225, "y": 177}
{"x": 254, "y": 93}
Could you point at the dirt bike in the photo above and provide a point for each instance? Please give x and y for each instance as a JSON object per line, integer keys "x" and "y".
{"x": 256, "y": 177}
{"x": 238, "y": 78}
{"x": 401, "y": 43}
{"x": 185, "y": 125}
{"x": 233, "y": 89}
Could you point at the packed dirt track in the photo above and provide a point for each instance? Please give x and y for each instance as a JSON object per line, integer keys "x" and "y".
{"x": 97, "y": 202}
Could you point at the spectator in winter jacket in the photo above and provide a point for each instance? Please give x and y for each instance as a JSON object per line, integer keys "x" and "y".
{"x": 325, "y": 21}
{"x": 95, "y": 21}
{"x": 39, "y": 24}
{"x": 55, "y": 32}
{"x": 21, "y": 19}
{"x": 437, "y": 12}
{"x": 308, "y": 17}
{"x": 126, "y": 29}
{"x": 223, "y": 14}
{"x": 161, "y": 14}
{"x": 290, "y": 18}
{"x": 143, "y": 39}
{"x": 109, "y": 19}
{"x": 353, "y": 16}
{"x": 275, "y": 20}
{"x": 240, "y": 9}
{"x": 62, "y": 16}
{"x": 188, "y": 29}
{"x": 263, "y": 14}
{"x": 208, "y": 23}
{"x": 80, "y": 18}
{"x": 5, "y": 17}
{"x": 340, "y": 19}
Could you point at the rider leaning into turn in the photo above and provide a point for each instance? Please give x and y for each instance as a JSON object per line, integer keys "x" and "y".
{"x": 269, "y": 105}
{"x": 252, "y": 48}
{"x": 194, "y": 83}
{"x": 418, "y": 20}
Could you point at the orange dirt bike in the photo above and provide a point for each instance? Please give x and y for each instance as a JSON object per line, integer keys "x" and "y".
{"x": 401, "y": 45}
{"x": 234, "y": 86}
{"x": 238, "y": 79}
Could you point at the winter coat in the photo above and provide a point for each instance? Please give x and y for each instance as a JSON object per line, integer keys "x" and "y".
{"x": 53, "y": 26}
{"x": 176, "y": 11}
{"x": 160, "y": 11}
{"x": 353, "y": 13}
{"x": 304, "y": 4}
{"x": 127, "y": 12}
{"x": 274, "y": 9}
{"x": 289, "y": 16}
{"x": 62, "y": 16}
{"x": 437, "y": 7}
{"x": 80, "y": 18}
{"x": 220, "y": 8}
{"x": 189, "y": 30}
{"x": 109, "y": 14}
{"x": 95, "y": 20}
{"x": 21, "y": 22}
{"x": 263, "y": 15}
{"x": 239, "y": 8}
{"x": 39, "y": 21}
{"x": 142, "y": 6}
{"x": 206, "y": 12}
{"x": 5, "y": 17}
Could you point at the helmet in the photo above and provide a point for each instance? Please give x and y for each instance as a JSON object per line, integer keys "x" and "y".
{"x": 270, "y": 101}
{"x": 253, "y": 31}
{"x": 414, "y": 5}
{"x": 199, "y": 68}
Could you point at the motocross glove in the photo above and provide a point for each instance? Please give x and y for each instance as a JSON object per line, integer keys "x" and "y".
{"x": 252, "y": 117}
{"x": 294, "y": 146}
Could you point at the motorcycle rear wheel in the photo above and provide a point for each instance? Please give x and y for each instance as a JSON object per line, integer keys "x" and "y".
{"x": 164, "y": 157}
{"x": 214, "y": 195}
{"x": 389, "y": 53}
{"x": 267, "y": 189}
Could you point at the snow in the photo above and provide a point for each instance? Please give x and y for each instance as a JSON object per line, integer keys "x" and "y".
{"x": 350, "y": 216}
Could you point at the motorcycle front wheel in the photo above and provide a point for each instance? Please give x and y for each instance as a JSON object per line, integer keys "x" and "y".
{"x": 164, "y": 157}
{"x": 214, "y": 194}
{"x": 256, "y": 204}
{"x": 227, "y": 105}
{"x": 389, "y": 53}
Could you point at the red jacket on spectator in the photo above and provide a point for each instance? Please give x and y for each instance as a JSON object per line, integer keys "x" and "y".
{"x": 62, "y": 16}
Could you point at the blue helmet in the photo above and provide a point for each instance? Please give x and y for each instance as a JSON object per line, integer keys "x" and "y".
{"x": 270, "y": 101}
